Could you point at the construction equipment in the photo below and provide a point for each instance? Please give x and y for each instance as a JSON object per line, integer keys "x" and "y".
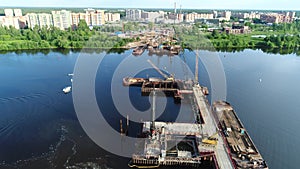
{"x": 167, "y": 78}
{"x": 211, "y": 140}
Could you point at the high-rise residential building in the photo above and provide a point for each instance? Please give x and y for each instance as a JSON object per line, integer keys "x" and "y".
{"x": 13, "y": 12}
{"x": 289, "y": 17}
{"x": 88, "y": 13}
{"x": 57, "y": 19}
{"x": 227, "y": 15}
{"x": 18, "y": 12}
{"x": 40, "y": 20}
{"x": 32, "y": 20}
{"x": 62, "y": 19}
{"x": 66, "y": 18}
{"x": 133, "y": 14}
{"x": 108, "y": 17}
{"x": 76, "y": 17}
{"x": 94, "y": 17}
{"x": 286, "y": 17}
{"x": 224, "y": 15}
{"x": 14, "y": 18}
{"x": 10, "y": 21}
{"x": 100, "y": 17}
{"x": 8, "y": 12}
{"x": 180, "y": 17}
{"x": 246, "y": 15}
{"x": 116, "y": 17}
{"x": 150, "y": 16}
{"x": 293, "y": 15}
{"x": 191, "y": 17}
{"x": 215, "y": 13}
{"x": 45, "y": 20}
{"x": 112, "y": 17}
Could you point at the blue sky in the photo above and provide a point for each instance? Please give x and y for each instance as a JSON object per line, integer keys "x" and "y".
{"x": 199, "y": 4}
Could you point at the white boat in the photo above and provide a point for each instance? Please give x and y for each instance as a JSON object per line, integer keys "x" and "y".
{"x": 67, "y": 89}
{"x": 70, "y": 74}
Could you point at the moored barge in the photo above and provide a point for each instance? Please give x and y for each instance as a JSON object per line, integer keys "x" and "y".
{"x": 242, "y": 149}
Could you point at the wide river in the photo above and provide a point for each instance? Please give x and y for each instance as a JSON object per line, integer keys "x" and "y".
{"x": 39, "y": 127}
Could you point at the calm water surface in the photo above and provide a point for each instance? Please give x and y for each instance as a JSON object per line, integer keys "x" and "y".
{"x": 39, "y": 127}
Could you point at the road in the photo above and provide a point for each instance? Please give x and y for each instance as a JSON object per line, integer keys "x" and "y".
{"x": 210, "y": 127}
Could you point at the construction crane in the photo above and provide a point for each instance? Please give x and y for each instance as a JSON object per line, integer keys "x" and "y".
{"x": 211, "y": 140}
{"x": 167, "y": 78}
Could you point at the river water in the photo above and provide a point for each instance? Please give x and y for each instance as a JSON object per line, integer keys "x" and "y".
{"x": 39, "y": 127}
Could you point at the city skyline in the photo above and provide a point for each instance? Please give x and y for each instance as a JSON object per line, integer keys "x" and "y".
{"x": 186, "y": 4}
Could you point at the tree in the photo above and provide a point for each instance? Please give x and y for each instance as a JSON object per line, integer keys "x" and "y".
{"x": 150, "y": 25}
{"x": 82, "y": 25}
{"x": 256, "y": 20}
{"x": 215, "y": 34}
{"x": 128, "y": 26}
{"x": 247, "y": 23}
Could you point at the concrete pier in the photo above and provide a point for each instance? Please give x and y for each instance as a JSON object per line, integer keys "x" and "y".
{"x": 210, "y": 127}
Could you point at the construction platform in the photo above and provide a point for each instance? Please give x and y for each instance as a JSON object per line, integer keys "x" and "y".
{"x": 171, "y": 144}
{"x": 170, "y": 87}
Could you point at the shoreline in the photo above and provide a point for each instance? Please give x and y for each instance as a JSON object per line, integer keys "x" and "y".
{"x": 122, "y": 49}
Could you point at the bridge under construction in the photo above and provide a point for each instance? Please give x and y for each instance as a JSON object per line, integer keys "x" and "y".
{"x": 217, "y": 136}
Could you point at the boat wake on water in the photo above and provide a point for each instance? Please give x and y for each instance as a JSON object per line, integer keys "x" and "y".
{"x": 22, "y": 99}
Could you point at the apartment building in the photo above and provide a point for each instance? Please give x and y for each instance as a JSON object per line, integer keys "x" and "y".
{"x": 76, "y": 17}
{"x": 9, "y": 21}
{"x": 18, "y": 12}
{"x": 94, "y": 17}
{"x": 133, "y": 14}
{"x": 13, "y": 17}
{"x": 150, "y": 16}
{"x": 45, "y": 20}
{"x": 40, "y": 20}
{"x": 9, "y": 12}
{"x": 32, "y": 20}
{"x": 286, "y": 17}
{"x": 191, "y": 17}
{"x": 112, "y": 17}
{"x": 61, "y": 19}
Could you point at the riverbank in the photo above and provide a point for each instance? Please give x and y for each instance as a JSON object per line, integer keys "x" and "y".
{"x": 11, "y": 39}
{"x": 54, "y": 38}
{"x": 122, "y": 50}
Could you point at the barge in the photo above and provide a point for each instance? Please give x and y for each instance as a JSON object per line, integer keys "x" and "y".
{"x": 138, "y": 50}
{"x": 242, "y": 149}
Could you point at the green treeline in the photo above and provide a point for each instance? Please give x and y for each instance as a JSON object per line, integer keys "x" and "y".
{"x": 279, "y": 36}
{"x": 49, "y": 38}
{"x": 276, "y": 36}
